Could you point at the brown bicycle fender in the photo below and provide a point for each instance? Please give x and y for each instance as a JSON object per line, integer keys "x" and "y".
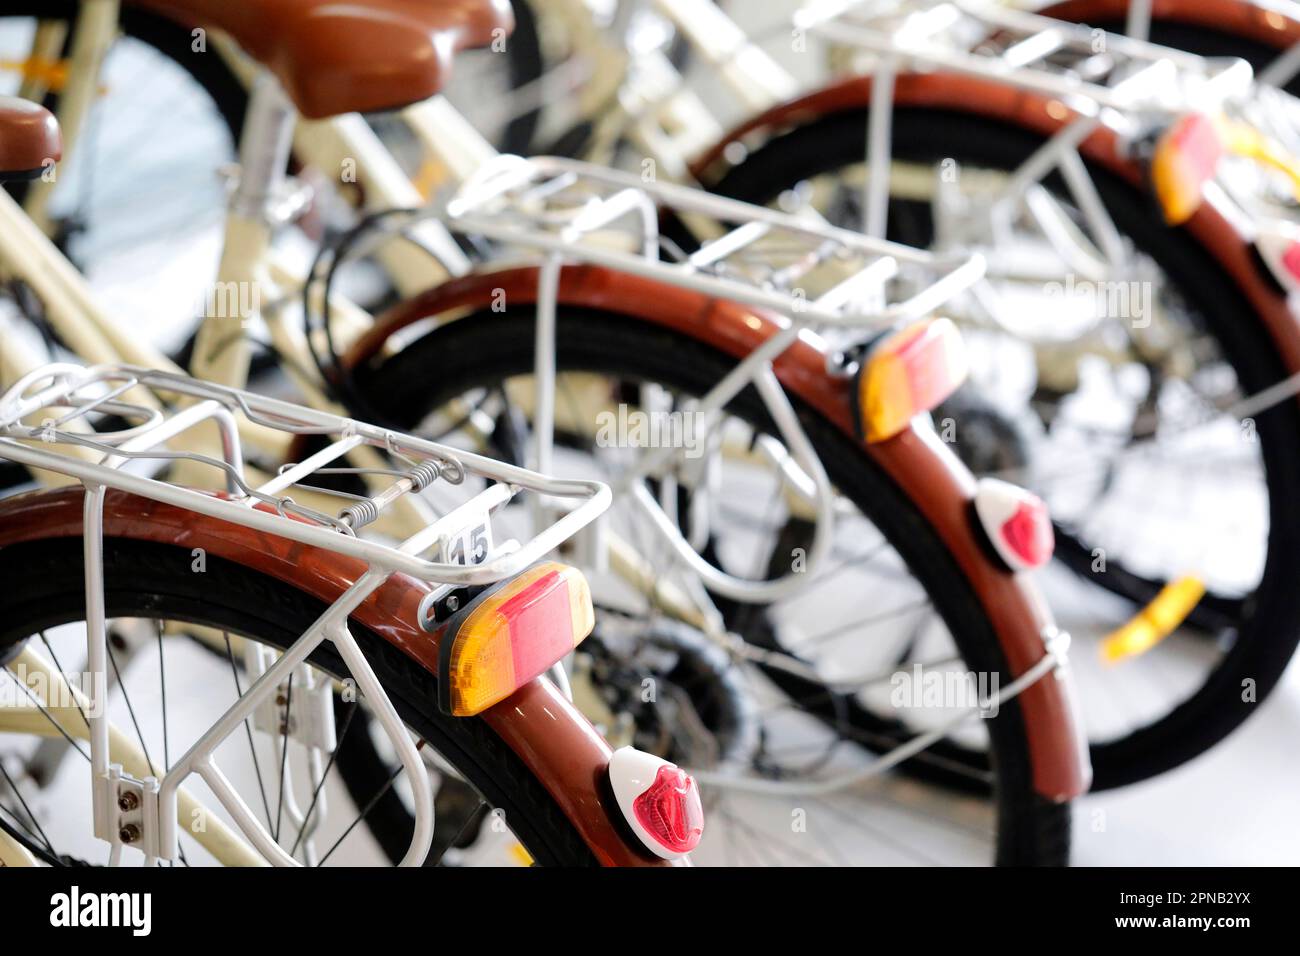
{"x": 557, "y": 744}
{"x": 1045, "y": 116}
{"x": 1274, "y": 28}
{"x": 927, "y": 471}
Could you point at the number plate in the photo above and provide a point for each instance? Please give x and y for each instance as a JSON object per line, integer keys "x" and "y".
{"x": 471, "y": 544}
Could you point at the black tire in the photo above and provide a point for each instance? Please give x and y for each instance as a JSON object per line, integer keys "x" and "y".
{"x": 44, "y": 587}
{"x": 491, "y": 347}
{"x": 1269, "y": 626}
{"x": 230, "y": 97}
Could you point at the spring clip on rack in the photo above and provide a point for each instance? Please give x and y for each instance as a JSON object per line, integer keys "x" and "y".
{"x": 809, "y": 274}
{"x": 63, "y": 399}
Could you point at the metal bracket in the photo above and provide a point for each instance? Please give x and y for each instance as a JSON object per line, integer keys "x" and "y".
{"x": 127, "y": 814}
{"x": 301, "y": 709}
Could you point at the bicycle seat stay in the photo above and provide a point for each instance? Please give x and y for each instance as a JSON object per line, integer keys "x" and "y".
{"x": 335, "y": 58}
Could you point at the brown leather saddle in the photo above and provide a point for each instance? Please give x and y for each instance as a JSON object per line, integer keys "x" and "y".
{"x": 331, "y": 57}
{"x": 359, "y": 56}
{"x": 29, "y": 139}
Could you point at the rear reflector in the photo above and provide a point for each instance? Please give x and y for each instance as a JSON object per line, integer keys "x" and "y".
{"x": 1186, "y": 156}
{"x": 660, "y": 802}
{"x": 507, "y": 636}
{"x": 907, "y": 373}
{"x": 1279, "y": 246}
{"x": 1016, "y": 522}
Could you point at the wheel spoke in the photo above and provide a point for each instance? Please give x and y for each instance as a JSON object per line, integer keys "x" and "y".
{"x": 59, "y": 667}
{"x": 27, "y": 811}
{"x": 162, "y": 687}
{"x": 370, "y": 805}
{"x": 126, "y": 699}
{"x": 474, "y": 816}
{"x": 48, "y": 716}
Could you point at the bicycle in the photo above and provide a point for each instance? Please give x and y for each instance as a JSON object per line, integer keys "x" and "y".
{"x": 1055, "y": 772}
{"x": 1083, "y": 189}
{"x": 131, "y": 528}
{"x": 1204, "y": 707}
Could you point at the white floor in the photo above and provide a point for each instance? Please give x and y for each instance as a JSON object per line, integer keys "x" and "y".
{"x": 1235, "y": 805}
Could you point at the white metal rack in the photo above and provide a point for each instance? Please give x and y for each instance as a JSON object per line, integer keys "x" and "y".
{"x": 46, "y": 422}
{"x": 804, "y": 272}
{"x": 1129, "y": 85}
{"x": 1089, "y": 69}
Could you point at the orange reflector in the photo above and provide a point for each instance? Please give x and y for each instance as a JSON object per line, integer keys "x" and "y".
{"x": 909, "y": 372}
{"x": 52, "y": 74}
{"x": 1186, "y": 156}
{"x": 1155, "y": 622}
{"x": 506, "y": 637}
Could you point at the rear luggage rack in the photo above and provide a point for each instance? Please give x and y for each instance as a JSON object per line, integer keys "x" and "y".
{"x": 800, "y": 266}
{"x": 68, "y": 395}
{"x": 1088, "y": 69}
{"x": 47, "y": 422}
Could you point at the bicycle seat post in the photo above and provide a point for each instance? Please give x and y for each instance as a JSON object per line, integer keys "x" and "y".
{"x": 264, "y": 149}
{"x": 221, "y": 352}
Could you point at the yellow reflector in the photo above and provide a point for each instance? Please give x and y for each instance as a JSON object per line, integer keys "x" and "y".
{"x": 522, "y": 856}
{"x": 909, "y": 372}
{"x": 1242, "y": 139}
{"x": 508, "y": 636}
{"x": 1186, "y": 155}
{"x": 1155, "y": 622}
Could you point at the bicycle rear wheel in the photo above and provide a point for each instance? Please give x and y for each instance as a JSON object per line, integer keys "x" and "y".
{"x": 890, "y": 582}
{"x": 505, "y": 814}
{"x": 1154, "y": 712}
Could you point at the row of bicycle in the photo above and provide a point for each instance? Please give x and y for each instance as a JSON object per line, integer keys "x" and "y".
{"x": 918, "y": 452}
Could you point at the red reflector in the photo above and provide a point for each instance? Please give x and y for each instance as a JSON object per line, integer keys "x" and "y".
{"x": 1028, "y": 532}
{"x": 508, "y": 636}
{"x": 670, "y": 810}
{"x": 909, "y": 372}
{"x": 541, "y": 630}
{"x": 1198, "y": 140}
{"x": 1278, "y": 243}
{"x": 1291, "y": 260}
{"x": 1016, "y": 522}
